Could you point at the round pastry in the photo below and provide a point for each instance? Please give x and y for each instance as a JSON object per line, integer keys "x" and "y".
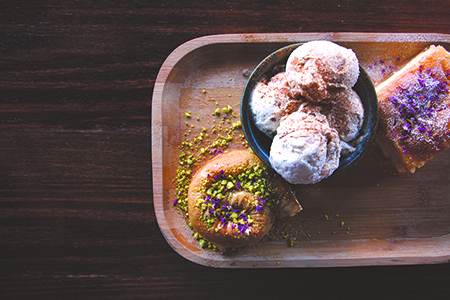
{"x": 233, "y": 200}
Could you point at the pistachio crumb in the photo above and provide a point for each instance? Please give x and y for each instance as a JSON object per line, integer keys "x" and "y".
{"x": 291, "y": 242}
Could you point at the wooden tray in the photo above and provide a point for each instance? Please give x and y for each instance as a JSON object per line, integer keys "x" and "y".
{"x": 368, "y": 215}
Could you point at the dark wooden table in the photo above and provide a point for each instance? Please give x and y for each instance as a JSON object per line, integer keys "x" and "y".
{"x": 76, "y": 210}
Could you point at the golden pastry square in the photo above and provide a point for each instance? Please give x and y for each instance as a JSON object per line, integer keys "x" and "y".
{"x": 414, "y": 111}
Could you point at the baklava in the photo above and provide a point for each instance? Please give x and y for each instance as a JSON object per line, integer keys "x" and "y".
{"x": 414, "y": 110}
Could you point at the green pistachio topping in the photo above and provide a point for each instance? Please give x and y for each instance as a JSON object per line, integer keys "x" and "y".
{"x": 215, "y": 188}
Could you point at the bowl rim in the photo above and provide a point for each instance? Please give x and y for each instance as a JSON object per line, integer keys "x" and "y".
{"x": 364, "y": 87}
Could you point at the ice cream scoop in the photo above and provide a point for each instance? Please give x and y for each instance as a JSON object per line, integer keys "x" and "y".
{"x": 317, "y": 68}
{"x": 270, "y": 101}
{"x": 345, "y": 113}
{"x": 305, "y": 149}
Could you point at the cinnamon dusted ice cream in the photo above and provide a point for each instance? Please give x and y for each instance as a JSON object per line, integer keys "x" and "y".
{"x": 270, "y": 101}
{"x": 316, "y": 69}
{"x": 306, "y": 149}
{"x": 311, "y": 111}
{"x": 345, "y": 113}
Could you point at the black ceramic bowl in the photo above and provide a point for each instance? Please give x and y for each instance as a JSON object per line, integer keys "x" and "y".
{"x": 260, "y": 143}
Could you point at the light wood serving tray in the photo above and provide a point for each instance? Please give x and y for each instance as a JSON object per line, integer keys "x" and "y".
{"x": 368, "y": 215}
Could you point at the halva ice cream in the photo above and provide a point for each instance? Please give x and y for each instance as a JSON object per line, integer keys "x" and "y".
{"x": 306, "y": 149}
{"x": 311, "y": 111}
{"x": 317, "y": 68}
{"x": 270, "y": 101}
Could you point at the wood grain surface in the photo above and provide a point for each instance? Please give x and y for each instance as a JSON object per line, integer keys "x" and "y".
{"x": 389, "y": 219}
{"x": 77, "y": 218}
